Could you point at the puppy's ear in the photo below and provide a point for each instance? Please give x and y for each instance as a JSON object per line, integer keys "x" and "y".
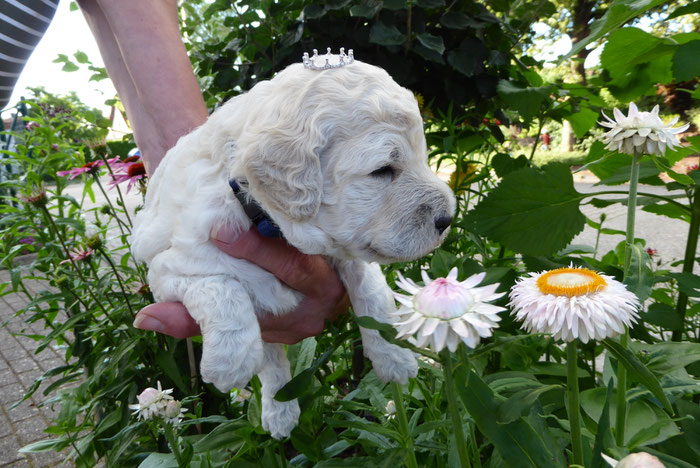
{"x": 284, "y": 170}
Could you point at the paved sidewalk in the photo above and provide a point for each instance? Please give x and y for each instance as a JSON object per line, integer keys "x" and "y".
{"x": 19, "y": 367}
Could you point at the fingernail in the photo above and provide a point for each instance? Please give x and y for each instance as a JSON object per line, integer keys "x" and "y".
{"x": 225, "y": 234}
{"x": 146, "y": 322}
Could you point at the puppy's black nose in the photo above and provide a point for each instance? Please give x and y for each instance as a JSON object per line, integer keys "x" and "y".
{"x": 442, "y": 223}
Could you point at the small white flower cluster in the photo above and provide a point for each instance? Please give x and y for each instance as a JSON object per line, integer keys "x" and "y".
{"x": 643, "y": 132}
{"x": 157, "y": 403}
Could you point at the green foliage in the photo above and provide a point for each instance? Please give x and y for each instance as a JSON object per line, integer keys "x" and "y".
{"x": 518, "y": 213}
{"x": 485, "y": 104}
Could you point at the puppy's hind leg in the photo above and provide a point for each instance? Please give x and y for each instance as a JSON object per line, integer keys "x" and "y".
{"x": 232, "y": 350}
{"x": 278, "y": 417}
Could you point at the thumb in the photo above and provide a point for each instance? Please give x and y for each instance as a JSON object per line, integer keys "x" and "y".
{"x": 170, "y": 318}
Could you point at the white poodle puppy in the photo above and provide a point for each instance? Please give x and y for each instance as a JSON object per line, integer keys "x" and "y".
{"x": 337, "y": 158}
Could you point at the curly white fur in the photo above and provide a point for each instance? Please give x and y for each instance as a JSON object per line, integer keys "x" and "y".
{"x": 308, "y": 143}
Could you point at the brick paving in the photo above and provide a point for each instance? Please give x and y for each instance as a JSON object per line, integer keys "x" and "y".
{"x": 22, "y": 423}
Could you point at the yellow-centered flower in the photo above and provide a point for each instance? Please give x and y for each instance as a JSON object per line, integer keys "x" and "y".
{"x": 573, "y": 303}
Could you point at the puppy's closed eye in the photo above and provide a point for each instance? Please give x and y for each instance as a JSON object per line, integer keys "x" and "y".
{"x": 384, "y": 172}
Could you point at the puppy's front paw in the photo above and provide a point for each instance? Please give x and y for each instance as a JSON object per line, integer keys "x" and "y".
{"x": 394, "y": 364}
{"x": 230, "y": 367}
{"x": 279, "y": 417}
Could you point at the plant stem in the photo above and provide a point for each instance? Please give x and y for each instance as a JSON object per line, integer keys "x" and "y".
{"x": 109, "y": 202}
{"x": 119, "y": 280}
{"x": 621, "y": 411}
{"x": 403, "y": 424}
{"x": 574, "y": 409}
{"x": 631, "y": 209}
{"x": 174, "y": 443}
{"x": 688, "y": 261}
{"x": 453, "y": 409}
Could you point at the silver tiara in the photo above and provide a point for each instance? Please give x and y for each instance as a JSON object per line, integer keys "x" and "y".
{"x": 331, "y": 61}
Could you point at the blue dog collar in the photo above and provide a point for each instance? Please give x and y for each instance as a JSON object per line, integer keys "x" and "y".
{"x": 254, "y": 211}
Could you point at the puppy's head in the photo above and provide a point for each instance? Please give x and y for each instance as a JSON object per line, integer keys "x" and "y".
{"x": 339, "y": 159}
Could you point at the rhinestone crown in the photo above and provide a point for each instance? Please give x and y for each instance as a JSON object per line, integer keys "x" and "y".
{"x": 331, "y": 61}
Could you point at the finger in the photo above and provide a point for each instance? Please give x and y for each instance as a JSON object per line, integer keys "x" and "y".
{"x": 170, "y": 318}
{"x": 308, "y": 274}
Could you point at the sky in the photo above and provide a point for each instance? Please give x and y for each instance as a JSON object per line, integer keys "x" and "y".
{"x": 67, "y": 34}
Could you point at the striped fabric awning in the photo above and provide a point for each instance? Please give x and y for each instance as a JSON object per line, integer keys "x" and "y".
{"x": 22, "y": 25}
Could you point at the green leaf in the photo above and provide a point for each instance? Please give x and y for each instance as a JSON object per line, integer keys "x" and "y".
{"x": 372, "y": 324}
{"x": 686, "y": 64}
{"x": 639, "y": 277}
{"x": 688, "y": 283}
{"x": 442, "y": 262}
{"x": 662, "y": 315}
{"x": 166, "y": 361}
{"x": 302, "y": 382}
{"x": 430, "y": 3}
{"x": 521, "y": 402}
{"x": 691, "y": 428}
{"x": 305, "y": 358}
{"x": 527, "y": 101}
{"x": 624, "y": 46}
{"x": 432, "y": 42}
{"x": 582, "y": 121}
{"x": 517, "y": 442}
{"x": 603, "y": 435}
{"x": 469, "y": 58}
{"x": 666, "y": 357}
{"x": 386, "y": 35}
{"x": 670, "y": 210}
{"x": 617, "y": 14}
{"x": 504, "y": 164}
{"x": 313, "y": 11}
{"x": 458, "y": 20}
{"x": 46, "y": 445}
{"x": 534, "y": 212}
{"x": 365, "y": 11}
{"x": 81, "y": 57}
{"x": 693, "y": 7}
{"x": 638, "y": 371}
{"x": 159, "y": 460}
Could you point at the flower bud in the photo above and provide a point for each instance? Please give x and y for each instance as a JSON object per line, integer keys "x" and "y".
{"x": 640, "y": 460}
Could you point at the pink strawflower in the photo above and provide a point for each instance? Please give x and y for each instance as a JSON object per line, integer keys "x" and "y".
{"x": 77, "y": 255}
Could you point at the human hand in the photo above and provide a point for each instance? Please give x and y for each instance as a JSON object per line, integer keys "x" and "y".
{"x": 324, "y": 295}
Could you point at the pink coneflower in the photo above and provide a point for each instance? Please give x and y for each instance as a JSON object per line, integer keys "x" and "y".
{"x": 90, "y": 167}
{"x": 77, "y": 255}
{"x": 127, "y": 171}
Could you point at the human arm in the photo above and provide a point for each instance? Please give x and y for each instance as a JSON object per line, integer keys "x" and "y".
{"x": 145, "y": 57}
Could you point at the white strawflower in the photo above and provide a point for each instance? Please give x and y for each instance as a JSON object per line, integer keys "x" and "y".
{"x": 573, "y": 303}
{"x": 446, "y": 311}
{"x": 635, "y": 460}
{"x": 152, "y": 402}
{"x": 173, "y": 412}
{"x": 643, "y": 132}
